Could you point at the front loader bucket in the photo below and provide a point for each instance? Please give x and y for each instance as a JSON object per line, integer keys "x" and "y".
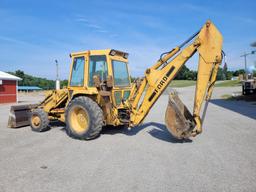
{"x": 19, "y": 115}
{"x": 179, "y": 121}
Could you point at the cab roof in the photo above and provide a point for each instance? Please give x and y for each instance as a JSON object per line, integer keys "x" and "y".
{"x": 101, "y": 52}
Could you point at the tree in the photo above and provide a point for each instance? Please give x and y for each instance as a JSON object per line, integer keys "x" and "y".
{"x": 254, "y": 73}
{"x": 219, "y": 74}
{"x": 29, "y": 80}
{"x": 238, "y": 72}
{"x": 64, "y": 83}
{"x": 225, "y": 70}
{"x": 229, "y": 75}
{"x": 19, "y": 73}
{"x": 182, "y": 73}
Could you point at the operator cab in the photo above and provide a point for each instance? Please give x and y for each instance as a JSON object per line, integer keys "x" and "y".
{"x": 103, "y": 64}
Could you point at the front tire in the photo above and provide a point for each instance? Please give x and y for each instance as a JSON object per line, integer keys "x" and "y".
{"x": 39, "y": 120}
{"x": 84, "y": 118}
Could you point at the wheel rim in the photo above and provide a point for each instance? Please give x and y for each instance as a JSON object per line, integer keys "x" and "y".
{"x": 79, "y": 120}
{"x": 36, "y": 121}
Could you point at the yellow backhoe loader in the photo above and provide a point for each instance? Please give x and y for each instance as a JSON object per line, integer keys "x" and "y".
{"x": 100, "y": 91}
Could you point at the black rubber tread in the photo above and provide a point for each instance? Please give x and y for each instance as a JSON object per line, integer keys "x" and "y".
{"x": 95, "y": 115}
{"x": 243, "y": 92}
{"x": 44, "y": 126}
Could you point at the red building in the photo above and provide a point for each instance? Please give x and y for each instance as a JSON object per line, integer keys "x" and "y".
{"x": 8, "y": 88}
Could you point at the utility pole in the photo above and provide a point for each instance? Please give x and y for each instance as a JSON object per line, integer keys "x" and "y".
{"x": 57, "y": 76}
{"x": 245, "y": 61}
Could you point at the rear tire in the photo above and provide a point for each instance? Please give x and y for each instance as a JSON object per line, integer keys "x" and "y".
{"x": 84, "y": 118}
{"x": 246, "y": 91}
{"x": 39, "y": 120}
{"x": 243, "y": 90}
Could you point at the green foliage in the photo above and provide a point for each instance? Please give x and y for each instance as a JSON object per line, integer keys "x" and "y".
{"x": 64, "y": 83}
{"x": 29, "y": 80}
{"x": 229, "y": 75}
{"x": 186, "y": 74}
{"x": 221, "y": 74}
{"x": 238, "y": 72}
{"x": 224, "y": 74}
{"x": 20, "y": 74}
{"x": 133, "y": 79}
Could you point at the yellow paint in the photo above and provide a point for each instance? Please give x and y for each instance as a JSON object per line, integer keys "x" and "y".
{"x": 208, "y": 43}
{"x": 79, "y": 120}
{"x": 36, "y": 121}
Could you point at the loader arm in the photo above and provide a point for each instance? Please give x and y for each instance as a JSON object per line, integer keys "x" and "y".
{"x": 208, "y": 43}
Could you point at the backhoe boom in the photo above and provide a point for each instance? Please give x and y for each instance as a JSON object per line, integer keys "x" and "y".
{"x": 208, "y": 43}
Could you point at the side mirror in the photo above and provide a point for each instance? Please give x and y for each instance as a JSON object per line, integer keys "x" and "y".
{"x": 110, "y": 83}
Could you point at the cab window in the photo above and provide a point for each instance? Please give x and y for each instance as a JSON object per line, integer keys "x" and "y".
{"x": 120, "y": 72}
{"x": 77, "y": 76}
{"x": 97, "y": 66}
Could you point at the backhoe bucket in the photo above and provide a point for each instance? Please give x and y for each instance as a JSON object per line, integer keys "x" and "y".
{"x": 179, "y": 121}
{"x": 19, "y": 115}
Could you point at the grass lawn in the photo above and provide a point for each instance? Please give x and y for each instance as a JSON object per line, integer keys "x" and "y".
{"x": 186, "y": 83}
{"x": 182, "y": 83}
{"x": 228, "y": 83}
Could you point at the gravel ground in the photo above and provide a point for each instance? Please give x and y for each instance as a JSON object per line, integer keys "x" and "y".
{"x": 146, "y": 158}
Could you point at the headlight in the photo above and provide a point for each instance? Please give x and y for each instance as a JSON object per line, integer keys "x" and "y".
{"x": 112, "y": 52}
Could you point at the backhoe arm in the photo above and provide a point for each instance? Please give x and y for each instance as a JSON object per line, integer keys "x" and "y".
{"x": 208, "y": 43}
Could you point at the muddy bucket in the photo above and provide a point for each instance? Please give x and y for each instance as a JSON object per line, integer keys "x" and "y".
{"x": 179, "y": 121}
{"x": 19, "y": 115}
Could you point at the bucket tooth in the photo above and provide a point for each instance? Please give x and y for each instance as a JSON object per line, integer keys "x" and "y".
{"x": 179, "y": 121}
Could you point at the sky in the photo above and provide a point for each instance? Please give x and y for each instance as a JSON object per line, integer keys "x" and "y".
{"x": 34, "y": 33}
